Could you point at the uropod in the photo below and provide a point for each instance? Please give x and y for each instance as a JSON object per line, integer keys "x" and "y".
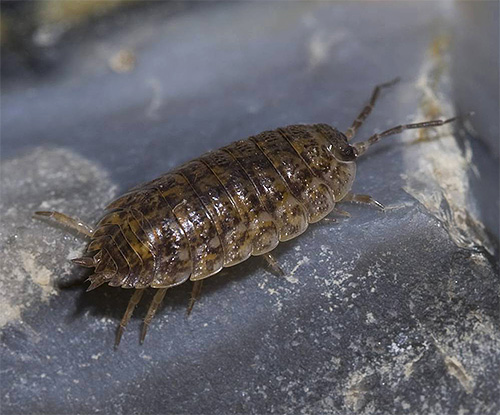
{"x": 223, "y": 207}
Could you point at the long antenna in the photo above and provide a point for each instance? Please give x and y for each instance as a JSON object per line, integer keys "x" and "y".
{"x": 358, "y": 122}
{"x": 362, "y": 146}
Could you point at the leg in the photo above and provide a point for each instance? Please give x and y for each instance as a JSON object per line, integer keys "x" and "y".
{"x": 363, "y": 145}
{"x": 134, "y": 300}
{"x": 96, "y": 280}
{"x": 68, "y": 221}
{"x": 337, "y": 211}
{"x": 358, "y": 122}
{"x": 195, "y": 294}
{"x": 341, "y": 212}
{"x": 351, "y": 197}
{"x": 273, "y": 264}
{"x": 157, "y": 299}
{"x": 86, "y": 262}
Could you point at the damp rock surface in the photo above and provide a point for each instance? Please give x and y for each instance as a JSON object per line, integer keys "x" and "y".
{"x": 35, "y": 257}
{"x": 381, "y": 313}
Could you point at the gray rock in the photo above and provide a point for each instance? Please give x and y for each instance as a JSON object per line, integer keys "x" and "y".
{"x": 382, "y": 313}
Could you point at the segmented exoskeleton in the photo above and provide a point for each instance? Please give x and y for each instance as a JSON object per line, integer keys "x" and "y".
{"x": 221, "y": 208}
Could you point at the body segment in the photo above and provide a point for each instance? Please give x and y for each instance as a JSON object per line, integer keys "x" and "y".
{"x": 219, "y": 209}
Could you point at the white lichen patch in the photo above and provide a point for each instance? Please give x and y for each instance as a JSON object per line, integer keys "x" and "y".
{"x": 439, "y": 168}
{"x": 332, "y": 278}
{"x": 277, "y": 292}
{"x": 356, "y": 389}
{"x": 462, "y": 362}
{"x": 290, "y": 277}
{"x": 39, "y": 274}
{"x": 457, "y": 370}
{"x": 465, "y": 362}
{"x": 370, "y": 319}
{"x": 35, "y": 253}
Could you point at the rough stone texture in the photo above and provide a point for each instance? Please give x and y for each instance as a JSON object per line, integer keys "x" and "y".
{"x": 382, "y": 313}
{"x": 34, "y": 258}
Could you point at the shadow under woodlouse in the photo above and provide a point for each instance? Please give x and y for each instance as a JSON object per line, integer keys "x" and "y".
{"x": 110, "y": 302}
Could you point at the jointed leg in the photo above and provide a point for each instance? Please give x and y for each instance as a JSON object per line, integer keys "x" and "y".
{"x": 351, "y": 197}
{"x": 134, "y": 300}
{"x": 341, "y": 212}
{"x": 157, "y": 299}
{"x": 273, "y": 264}
{"x": 68, "y": 221}
{"x": 362, "y": 146}
{"x": 358, "y": 122}
{"x": 337, "y": 211}
{"x": 195, "y": 294}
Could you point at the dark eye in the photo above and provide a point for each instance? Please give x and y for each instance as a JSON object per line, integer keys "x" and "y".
{"x": 347, "y": 154}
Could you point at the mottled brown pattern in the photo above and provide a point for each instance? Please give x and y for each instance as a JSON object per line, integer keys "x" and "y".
{"x": 309, "y": 189}
{"x": 287, "y": 212}
{"x": 205, "y": 244}
{"x": 221, "y": 208}
{"x": 261, "y": 232}
{"x": 318, "y": 145}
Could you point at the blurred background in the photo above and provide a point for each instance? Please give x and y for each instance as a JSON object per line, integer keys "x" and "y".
{"x": 394, "y": 312}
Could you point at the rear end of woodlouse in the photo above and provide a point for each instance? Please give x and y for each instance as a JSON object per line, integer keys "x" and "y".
{"x": 223, "y": 207}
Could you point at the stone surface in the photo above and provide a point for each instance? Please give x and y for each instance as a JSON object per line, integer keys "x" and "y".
{"x": 384, "y": 312}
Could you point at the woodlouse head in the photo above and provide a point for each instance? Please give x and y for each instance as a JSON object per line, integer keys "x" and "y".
{"x": 340, "y": 147}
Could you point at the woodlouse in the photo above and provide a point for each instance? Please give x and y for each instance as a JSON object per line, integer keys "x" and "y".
{"x": 221, "y": 208}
